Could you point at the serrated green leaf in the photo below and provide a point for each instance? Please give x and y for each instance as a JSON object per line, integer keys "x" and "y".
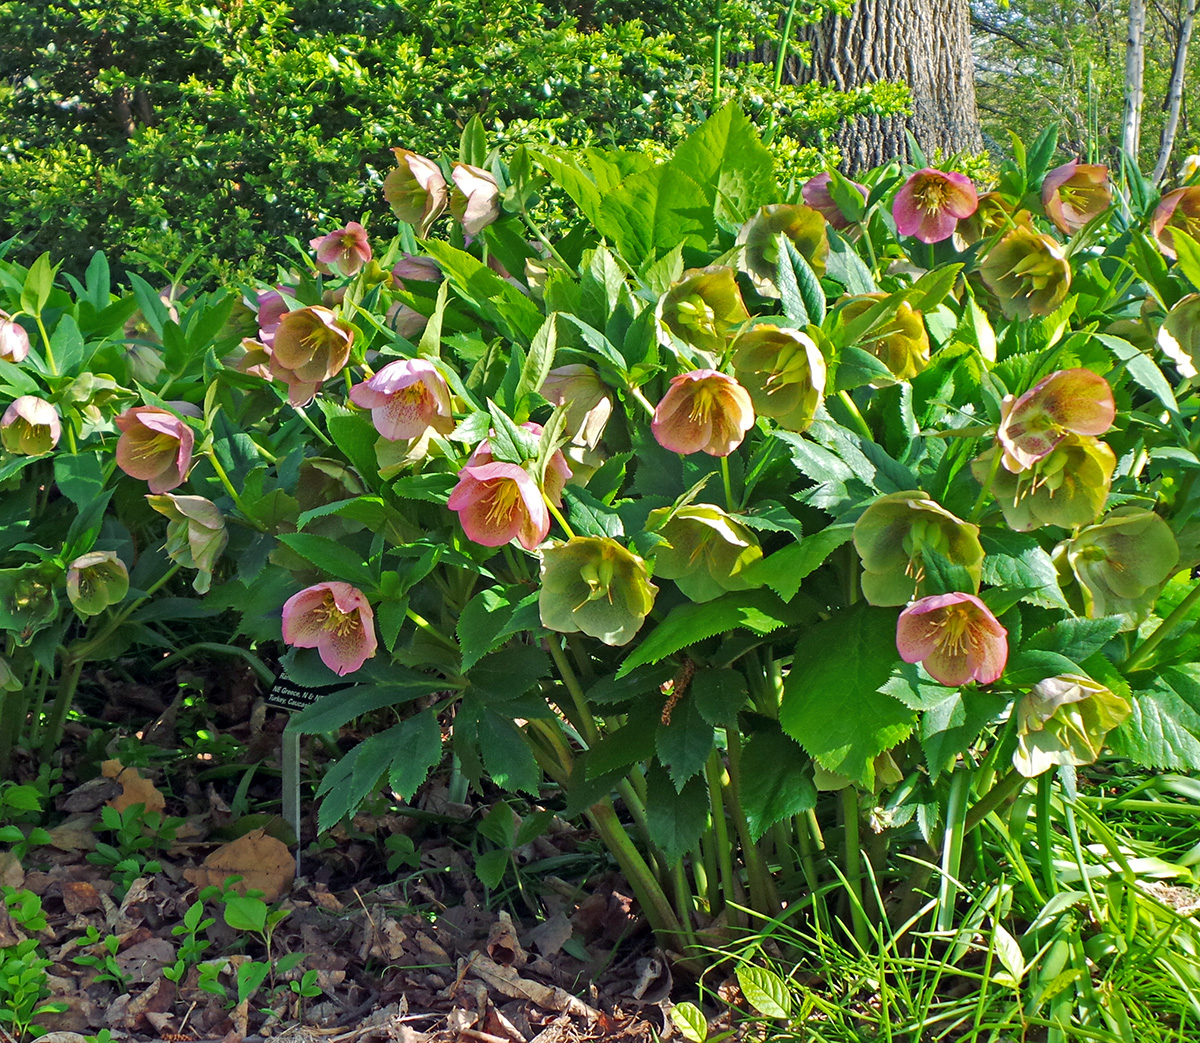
{"x": 807, "y": 282}
{"x": 493, "y": 297}
{"x": 332, "y": 711}
{"x": 509, "y": 673}
{"x": 490, "y": 867}
{"x": 356, "y": 437}
{"x": 417, "y": 742}
{"x": 786, "y": 569}
{"x": 1077, "y": 639}
{"x": 675, "y": 818}
{"x": 491, "y": 617}
{"x": 684, "y": 745}
{"x": 1163, "y": 730}
{"x": 508, "y": 442}
{"x": 589, "y": 516}
{"x": 756, "y": 610}
{"x": 843, "y": 265}
{"x": 718, "y": 694}
{"x": 764, "y": 990}
{"x": 1032, "y": 665}
{"x": 832, "y": 704}
{"x": 790, "y": 297}
{"x": 953, "y": 725}
{"x": 506, "y": 755}
{"x": 632, "y": 742}
{"x": 1142, "y": 368}
{"x": 781, "y": 782}
{"x": 336, "y": 560}
{"x": 1016, "y": 559}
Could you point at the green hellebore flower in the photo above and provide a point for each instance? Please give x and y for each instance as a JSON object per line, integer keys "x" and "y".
{"x": 700, "y": 309}
{"x": 901, "y": 342}
{"x": 596, "y": 586}
{"x": 706, "y": 550}
{"x": 1028, "y": 272}
{"x": 196, "y": 534}
{"x": 803, "y": 225}
{"x": 1122, "y": 562}
{"x": 784, "y": 372}
{"x": 896, "y": 530}
{"x": 96, "y": 580}
{"x": 1065, "y": 720}
{"x": 1067, "y": 486}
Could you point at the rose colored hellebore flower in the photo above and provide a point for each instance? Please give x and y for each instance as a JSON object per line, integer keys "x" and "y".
{"x": 931, "y": 203}
{"x": 30, "y": 426}
{"x": 955, "y": 637}
{"x": 557, "y": 468}
{"x": 816, "y": 194}
{"x": 1065, "y": 720}
{"x": 1069, "y": 401}
{"x": 406, "y": 398}
{"x": 587, "y": 398}
{"x": 196, "y": 534}
{"x": 802, "y": 225}
{"x": 347, "y": 249}
{"x": 784, "y": 373}
{"x": 475, "y": 198}
{"x": 1028, "y": 272}
{"x": 703, "y": 410}
{"x": 497, "y": 502}
{"x": 14, "y": 341}
{"x": 1179, "y": 209}
{"x": 706, "y": 550}
{"x": 595, "y": 586}
{"x": 414, "y": 268}
{"x": 415, "y": 190}
{"x": 334, "y": 618}
{"x": 155, "y": 446}
{"x": 96, "y": 580}
{"x": 310, "y": 346}
{"x": 700, "y": 309}
{"x": 1075, "y": 193}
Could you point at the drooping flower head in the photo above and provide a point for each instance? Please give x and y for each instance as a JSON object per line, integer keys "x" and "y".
{"x": 931, "y": 203}
{"x": 1067, "y": 487}
{"x": 30, "y": 426}
{"x": 1179, "y": 209}
{"x": 803, "y": 226}
{"x": 1179, "y": 334}
{"x": 497, "y": 502}
{"x": 1122, "y": 562}
{"x": 1068, "y": 401}
{"x": 334, "y": 618}
{"x": 701, "y": 308}
{"x": 196, "y": 534}
{"x": 993, "y": 213}
{"x": 415, "y": 190}
{"x": 703, "y": 411}
{"x": 557, "y": 468}
{"x": 1028, "y": 272}
{"x": 406, "y": 398}
{"x": 155, "y": 446}
{"x": 587, "y": 398}
{"x": 816, "y": 194}
{"x": 14, "y": 341}
{"x": 1065, "y": 720}
{"x": 310, "y": 346}
{"x": 415, "y": 268}
{"x": 346, "y": 249}
{"x": 595, "y": 586}
{"x": 706, "y": 552}
{"x": 955, "y": 637}
{"x": 96, "y": 580}
{"x": 784, "y": 373}
{"x": 900, "y": 342}
{"x": 1074, "y": 194}
{"x": 475, "y": 199}
{"x": 895, "y": 533}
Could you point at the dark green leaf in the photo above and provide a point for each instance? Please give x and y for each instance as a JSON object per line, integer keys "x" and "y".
{"x": 1016, "y": 559}
{"x": 779, "y": 783}
{"x": 684, "y": 745}
{"x": 675, "y": 818}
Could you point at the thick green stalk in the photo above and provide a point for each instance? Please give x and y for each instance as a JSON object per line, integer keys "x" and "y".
{"x": 586, "y": 722}
{"x": 61, "y": 706}
{"x": 763, "y": 896}
{"x": 1008, "y": 786}
{"x": 952, "y": 843}
{"x": 1142, "y": 652}
{"x": 854, "y": 871}
{"x": 713, "y": 771}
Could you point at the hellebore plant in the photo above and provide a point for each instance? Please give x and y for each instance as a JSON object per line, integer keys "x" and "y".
{"x": 346, "y": 249}
{"x": 415, "y": 190}
{"x": 30, "y": 426}
{"x": 595, "y": 586}
{"x": 703, "y": 411}
{"x": 1070, "y": 401}
{"x": 1179, "y": 209}
{"x": 931, "y": 202}
{"x": 406, "y": 398}
{"x": 1065, "y": 720}
{"x": 155, "y": 446}
{"x": 784, "y": 373}
{"x": 196, "y": 534}
{"x": 95, "y": 581}
{"x": 1028, "y": 273}
{"x": 800, "y": 225}
{"x": 1074, "y": 194}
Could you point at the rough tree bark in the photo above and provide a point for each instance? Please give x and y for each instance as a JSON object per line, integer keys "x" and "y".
{"x": 924, "y": 43}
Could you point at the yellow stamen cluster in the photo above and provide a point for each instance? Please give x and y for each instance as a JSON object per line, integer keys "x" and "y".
{"x": 334, "y": 619}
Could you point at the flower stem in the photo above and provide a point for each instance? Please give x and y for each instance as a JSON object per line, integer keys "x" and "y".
{"x": 1142, "y": 652}
{"x": 558, "y": 517}
{"x": 541, "y": 238}
{"x": 986, "y": 490}
{"x": 233, "y": 493}
{"x": 586, "y": 722}
{"x": 856, "y": 418}
{"x": 729, "y": 504}
{"x": 313, "y": 427}
{"x": 641, "y": 400}
{"x": 430, "y": 629}
{"x": 724, "y": 850}
{"x": 50, "y": 365}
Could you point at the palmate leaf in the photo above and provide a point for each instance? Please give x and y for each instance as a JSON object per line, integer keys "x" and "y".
{"x": 832, "y": 705}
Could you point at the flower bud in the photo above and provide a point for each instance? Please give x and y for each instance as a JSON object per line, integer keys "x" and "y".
{"x": 14, "y": 341}
{"x": 475, "y": 199}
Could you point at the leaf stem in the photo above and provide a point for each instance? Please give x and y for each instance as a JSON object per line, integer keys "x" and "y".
{"x": 986, "y": 490}
{"x": 856, "y": 418}
{"x": 729, "y": 504}
{"x": 1142, "y": 652}
{"x": 586, "y": 723}
{"x": 50, "y": 364}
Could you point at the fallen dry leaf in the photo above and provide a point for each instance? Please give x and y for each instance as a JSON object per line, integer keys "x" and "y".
{"x": 264, "y": 864}
{"x": 135, "y": 789}
{"x": 80, "y": 896}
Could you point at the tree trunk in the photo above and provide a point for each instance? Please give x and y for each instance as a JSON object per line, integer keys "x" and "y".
{"x": 1135, "y": 60}
{"x": 1175, "y": 90}
{"x": 924, "y": 43}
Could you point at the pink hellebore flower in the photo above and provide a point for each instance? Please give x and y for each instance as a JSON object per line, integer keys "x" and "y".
{"x": 30, "y": 426}
{"x": 271, "y": 308}
{"x": 310, "y": 346}
{"x": 406, "y": 398}
{"x": 414, "y": 268}
{"x": 1070, "y": 401}
{"x": 557, "y": 468}
{"x": 1179, "y": 209}
{"x": 703, "y": 410}
{"x": 931, "y": 202}
{"x": 475, "y": 199}
{"x": 415, "y": 190}
{"x": 498, "y": 502}
{"x": 1075, "y": 193}
{"x": 586, "y": 397}
{"x": 14, "y": 341}
{"x": 347, "y": 249}
{"x": 335, "y": 619}
{"x": 955, "y": 637}
{"x": 155, "y": 446}
{"x": 817, "y": 195}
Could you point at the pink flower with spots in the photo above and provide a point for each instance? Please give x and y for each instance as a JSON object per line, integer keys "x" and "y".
{"x": 955, "y": 637}
{"x": 335, "y": 619}
{"x": 498, "y": 502}
{"x": 703, "y": 411}
{"x": 347, "y": 249}
{"x": 931, "y": 203}
{"x": 1069, "y": 401}
{"x": 155, "y": 446}
{"x": 406, "y": 398}
{"x": 557, "y": 469}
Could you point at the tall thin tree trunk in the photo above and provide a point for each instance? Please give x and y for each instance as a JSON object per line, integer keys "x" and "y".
{"x": 1135, "y": 59}
{"x": 1175, "y": 91}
